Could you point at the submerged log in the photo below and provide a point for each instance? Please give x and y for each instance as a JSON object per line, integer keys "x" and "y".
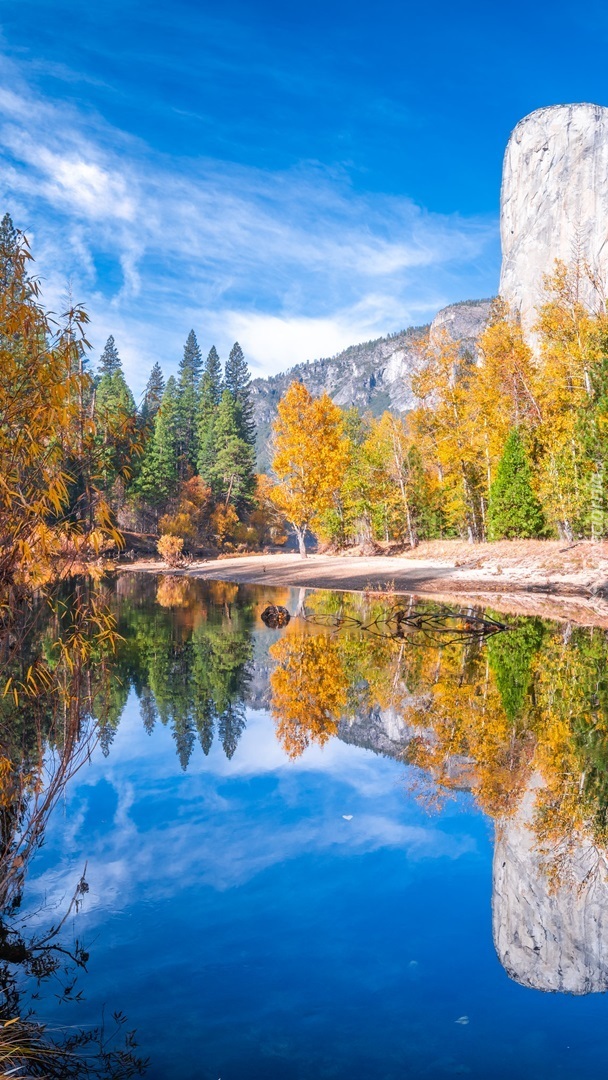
{"x": 442, "y": 625}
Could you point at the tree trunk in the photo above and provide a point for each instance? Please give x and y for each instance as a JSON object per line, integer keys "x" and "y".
{"x": 301, "y": 535}
{"x": 301, "y": 606}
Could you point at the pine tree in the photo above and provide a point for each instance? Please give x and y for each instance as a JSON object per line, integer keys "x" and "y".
{"x": 209, "y": 399}
{"x": 212, "y": 375}
{"x": 114, "y": 418}
{"x": 9, "y": 247}
{"x": 513, "y": 509}
{"x": 109, "y": 361}
{"x": 158, "y": 478}
{"x": 187, "y": 405}
{"x": 232, "y": 477}
{"x": 155, "y": 388}
{"x": 238, "y": 382}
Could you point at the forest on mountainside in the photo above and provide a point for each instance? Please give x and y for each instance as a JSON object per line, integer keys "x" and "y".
{"x": 511, "y": 445}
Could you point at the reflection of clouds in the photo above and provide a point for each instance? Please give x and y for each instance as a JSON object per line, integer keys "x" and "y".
{"x": 172, "y": 831}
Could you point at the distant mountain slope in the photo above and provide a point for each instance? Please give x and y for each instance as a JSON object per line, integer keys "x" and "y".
{"x": 373, "y": 376}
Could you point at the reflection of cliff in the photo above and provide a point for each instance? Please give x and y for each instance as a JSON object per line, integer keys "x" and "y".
{"x": 520, "y": 720}
{"x": 549, "y": 940}
{"x": 382, "y": 730}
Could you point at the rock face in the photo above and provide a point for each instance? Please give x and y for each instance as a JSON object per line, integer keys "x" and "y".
{"x": 554, "y": 203}
{"x": 463, "y": 322}
{"x": 552, "y": 941}
{"x": 373, "y": 375}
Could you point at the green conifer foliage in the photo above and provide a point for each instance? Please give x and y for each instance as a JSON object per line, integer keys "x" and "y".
{"x": 212, "y": 375}
{"x": 209, "y": 399}
{"x": 232, "y": 476}
{"x": 238, "y": 381}
{"x": 188, "y": 380}
{"x": 153, "y": 395}
{"x": 114, "y": 413}
{"x": 158, "y": 477}
{"x": 513, "y": 509}
{"x": 9, "y": 246}
{"x": 109, "y": 361}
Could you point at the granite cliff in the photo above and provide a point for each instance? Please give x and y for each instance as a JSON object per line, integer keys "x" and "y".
{"x": 372, "y": 376}
{"x": 554, "y": 203}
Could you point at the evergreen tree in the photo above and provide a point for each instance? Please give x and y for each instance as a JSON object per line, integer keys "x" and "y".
{"x": 153, "y": 395}
{"x": 109, "y": 361}
{"x": 209, "y": 399}
{"x": 187, "y": 405}
{"x": 212, "y": 375}
{"x": 158, "y": 478}
{"x": 9, "y": 248}
{"x": 513, "y": 509}
{"x": 238, "y": 382}
{"x": 114, "y": 417}
{"x": 232, "y": 477}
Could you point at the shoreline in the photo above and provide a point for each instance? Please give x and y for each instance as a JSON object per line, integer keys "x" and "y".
{"x": 568, "y": 595}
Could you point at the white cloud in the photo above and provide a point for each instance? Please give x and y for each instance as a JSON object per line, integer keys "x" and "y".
{"x": 297, "y": 264}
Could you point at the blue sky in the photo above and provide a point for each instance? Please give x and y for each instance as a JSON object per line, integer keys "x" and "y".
{"x": 299, "y": 177}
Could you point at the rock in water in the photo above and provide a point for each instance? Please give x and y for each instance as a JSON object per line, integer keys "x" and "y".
{"x": 554, "y": 203}
{"x": 275, "y": 616}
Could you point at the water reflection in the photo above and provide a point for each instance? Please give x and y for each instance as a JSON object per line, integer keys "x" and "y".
{"x": 519, "y": 718}
{"x": 54, "y": 711}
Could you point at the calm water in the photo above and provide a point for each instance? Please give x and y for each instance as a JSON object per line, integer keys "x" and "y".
{"x": 288, "y": 837}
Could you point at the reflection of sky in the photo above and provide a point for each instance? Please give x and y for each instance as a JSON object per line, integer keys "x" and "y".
{"x": 226, "y": 821}
{"x": 249, "y": 930}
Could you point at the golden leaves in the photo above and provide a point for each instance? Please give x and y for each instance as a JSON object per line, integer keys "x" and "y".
{"x": 310, "y": 455}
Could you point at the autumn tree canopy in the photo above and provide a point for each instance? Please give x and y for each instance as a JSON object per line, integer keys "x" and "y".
{"x": 310, "y": 458}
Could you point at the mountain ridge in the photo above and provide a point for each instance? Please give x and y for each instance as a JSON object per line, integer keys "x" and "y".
{"x": 372, "y": 375}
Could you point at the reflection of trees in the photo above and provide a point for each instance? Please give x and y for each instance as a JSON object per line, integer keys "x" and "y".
{"x": 486, "y": 714}
{"x": 187, "y": 652}
{"x": 522, "y": 721}
{"x": 47, "y": 731}
{"x": 532, "y": 703}
{"x": 309, "y": 690}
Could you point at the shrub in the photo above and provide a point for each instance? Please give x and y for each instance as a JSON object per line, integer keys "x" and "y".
{"x": 170, "y": 549}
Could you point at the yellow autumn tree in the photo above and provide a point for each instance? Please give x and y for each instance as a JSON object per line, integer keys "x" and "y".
{"x": 398, "y": 487}
{"x": 447, "y": 432}
{"x": 504, "y": 390}
{"x": 571, "y": 346}
{"x": 310, "y": 458}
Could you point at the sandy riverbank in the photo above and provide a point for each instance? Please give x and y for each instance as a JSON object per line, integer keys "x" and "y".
{"x": 533, "y": 577}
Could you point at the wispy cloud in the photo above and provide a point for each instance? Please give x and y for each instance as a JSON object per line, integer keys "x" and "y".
{"x": 294, "y": 264}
